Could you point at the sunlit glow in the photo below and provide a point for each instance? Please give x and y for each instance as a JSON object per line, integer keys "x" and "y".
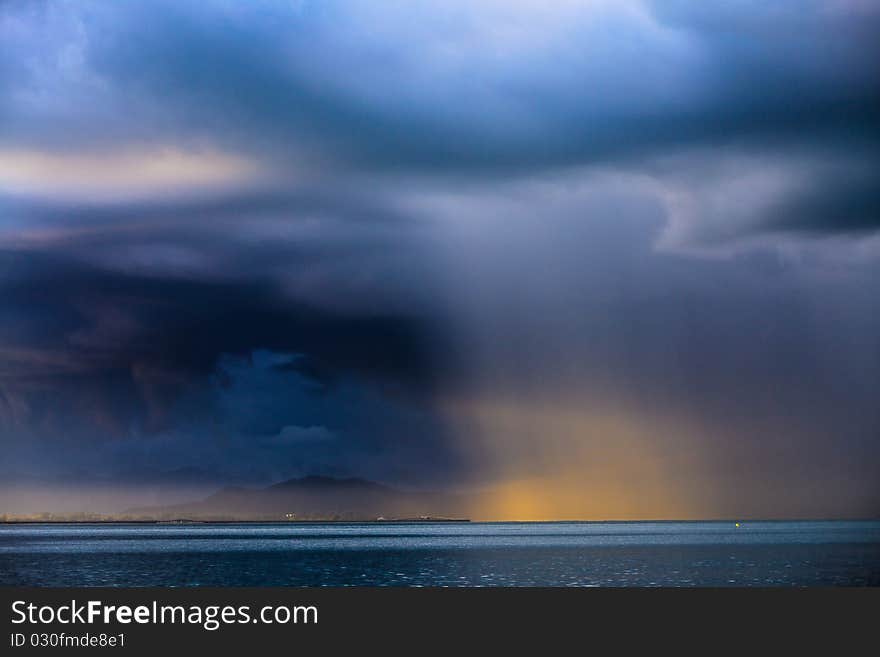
{"x": 118, "y": 173}
{"x": 562, "y": 461}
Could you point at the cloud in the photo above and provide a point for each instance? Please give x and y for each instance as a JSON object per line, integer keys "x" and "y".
{"x": 118, "y": 174}
{"x": 226, "y": 228}
{"x": 294, "y": 435}
{"x": 488, "y": 85}
{"x": 278, "y": 100}
{"x": 91, "y": 352}
{"x": 716, "y": 200}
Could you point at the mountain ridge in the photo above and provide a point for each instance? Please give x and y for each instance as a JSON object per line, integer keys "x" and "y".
{"x": 314, "y": 497}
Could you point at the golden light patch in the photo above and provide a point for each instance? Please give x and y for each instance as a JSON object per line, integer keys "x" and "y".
{"x": 564, "y": 461}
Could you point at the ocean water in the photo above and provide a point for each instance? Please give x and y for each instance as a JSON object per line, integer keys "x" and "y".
{"x": 444, "y": 554}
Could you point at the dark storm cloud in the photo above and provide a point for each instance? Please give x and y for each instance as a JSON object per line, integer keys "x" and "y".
{"x": 849, "y": 204}
{"x": 124, "y": 377}
{"x": 187, "y": 324}
{"x": 274, "y": 235}
{"x": 136, "y": 373}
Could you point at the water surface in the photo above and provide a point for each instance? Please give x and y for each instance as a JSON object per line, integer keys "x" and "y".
{"x": 444, "y": 554}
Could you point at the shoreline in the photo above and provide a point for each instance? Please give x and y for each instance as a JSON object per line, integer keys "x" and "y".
{"x": 391, "y": 521}
{"x": 397, "y": 521}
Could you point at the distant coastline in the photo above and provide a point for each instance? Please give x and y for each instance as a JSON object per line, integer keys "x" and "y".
{"x": 392, "y": 521}
{"x": 224, "y": 521}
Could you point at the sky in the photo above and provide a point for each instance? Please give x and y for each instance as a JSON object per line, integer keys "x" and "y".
{"x": 580, "y": 259}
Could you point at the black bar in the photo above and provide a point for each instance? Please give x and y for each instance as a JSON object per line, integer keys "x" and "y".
{"x": 533, "y": 619}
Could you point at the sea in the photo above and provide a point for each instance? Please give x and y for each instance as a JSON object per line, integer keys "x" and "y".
{"x": 558, "y": 554}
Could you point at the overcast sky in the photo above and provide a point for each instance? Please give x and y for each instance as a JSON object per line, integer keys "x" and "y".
{"x": 607, "y": 259}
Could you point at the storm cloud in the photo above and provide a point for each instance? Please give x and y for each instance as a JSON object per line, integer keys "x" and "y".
{"x": 448, "y": 243}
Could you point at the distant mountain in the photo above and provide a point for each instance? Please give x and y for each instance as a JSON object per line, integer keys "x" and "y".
{"x": 314, "y": 497}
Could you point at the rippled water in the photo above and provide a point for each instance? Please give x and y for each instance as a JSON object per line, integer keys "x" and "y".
{"x": 444, "y": 554}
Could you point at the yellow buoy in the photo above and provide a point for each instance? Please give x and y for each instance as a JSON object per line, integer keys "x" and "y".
{"x": 737, "y": 524}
